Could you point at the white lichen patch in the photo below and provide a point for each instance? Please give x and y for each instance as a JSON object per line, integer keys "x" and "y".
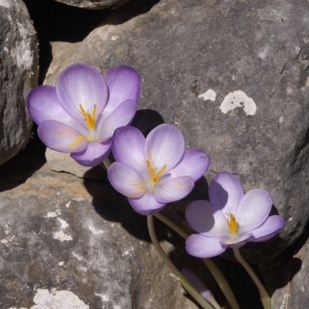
{"x": 208, "y": 95}
{"x": 94, "y": 231}
{"x": 51, "y": 214}
{"x": 57, "y": 300}
{"x": 63, "y": 223}
{"x": 60, "y": 235}
{"x": 238, "y": 99}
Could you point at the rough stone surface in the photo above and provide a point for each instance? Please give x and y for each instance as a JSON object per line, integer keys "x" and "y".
{"x": 18, "y": 74}
{"x": 254, "y": 58}
{"x": 62, "y": 162}
{"x": 94, "y": 4}
{"x": 63, "y": 238}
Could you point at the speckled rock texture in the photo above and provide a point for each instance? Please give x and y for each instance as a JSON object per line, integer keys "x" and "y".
{"x": 18, "y": 74}
{"x": 233, "y": 77}
{"x": 94, "y": 4}
{"x": 69, "y": 243}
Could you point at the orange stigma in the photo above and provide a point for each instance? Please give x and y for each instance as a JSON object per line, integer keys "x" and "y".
{"x": 231, "y": 223}
{"x": 89, "y": 118}
{"x": 152, "y": 172}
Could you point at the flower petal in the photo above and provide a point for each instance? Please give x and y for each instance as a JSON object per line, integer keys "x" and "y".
{"x": 239, "y": 242}
{"x": 95, "y": 153}
{"x": 81, "y": 84}
{"x": 61, "y": 137}
{"x": 123, "y": 84}
{"x": 126, "y": 180}
{"x": 268, "y": 229}
{"x": 225, "y": 192}
{"x": 164, "y": 146}
{"x": 197, "y": 284}
{"x": 194, "y": 164}
{"x": 121, "y": 116}
{"x": 205, "y": 218}
{"x": 43, "y": 104}
{"x": 204, "y": 247}
{"x": 146, "y": 205}
{"x": 253, "y": 210}
{"x": 170, "y": 189}
{"x": 128, "y": 147}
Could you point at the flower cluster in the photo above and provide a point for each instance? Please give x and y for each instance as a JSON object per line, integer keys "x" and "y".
{"x": 88, "y": 115}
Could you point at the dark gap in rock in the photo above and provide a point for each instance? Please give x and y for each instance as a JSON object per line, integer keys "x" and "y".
{"x": 54, "y": 21}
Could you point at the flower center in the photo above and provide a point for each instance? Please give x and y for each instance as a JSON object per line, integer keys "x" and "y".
{"x": 154, "y": 175}
{"x": 231, "y": 223}
{"x": 89, "y": 118}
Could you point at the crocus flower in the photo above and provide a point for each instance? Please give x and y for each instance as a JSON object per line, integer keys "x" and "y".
{"x": 230, "y": 219}
{"x": 155, "y": 170}
{"x": 80, "y": 114}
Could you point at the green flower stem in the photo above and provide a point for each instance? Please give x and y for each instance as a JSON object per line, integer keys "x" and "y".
{"x": 263, "y": 293}
{"x": 178, "y": 274}
{"x": 106, "y": 163}
{"x": 215, "y": 271}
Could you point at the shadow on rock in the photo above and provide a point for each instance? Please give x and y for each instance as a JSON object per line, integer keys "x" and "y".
{"x": 55, "y": 21}
{"x": 281, "y": 271}
{"x": 18, "y": 169}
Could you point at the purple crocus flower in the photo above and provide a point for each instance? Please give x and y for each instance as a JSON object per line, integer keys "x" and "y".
{"x": 81, "y": 113}
{"x": 230, "y": 219}
{"x": 155, "y": 170}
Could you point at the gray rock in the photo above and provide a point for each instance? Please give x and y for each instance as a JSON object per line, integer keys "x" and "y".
{"x": 94, "y": 4}
{"x": 69, "y": 243}
{"x": 254, "y": 120}
{"x": 62, "y": 162}
{"x": 18, "y": 74}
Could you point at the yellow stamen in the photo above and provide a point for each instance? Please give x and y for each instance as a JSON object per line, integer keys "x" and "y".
{"x": 90, "y": 119}
{"x": 231, "y": 223}
{"x": 152, "y": 172}
{"x": 76, "y": 141}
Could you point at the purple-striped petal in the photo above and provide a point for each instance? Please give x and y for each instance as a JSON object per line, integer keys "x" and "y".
{"x": 269, "y": 229}
{"x": 126, "y": 180}
{"x": 225, "y": 192}
{"x": 121, "y": 116}
{"x": 197, "y": 284}
{"x": 194, "y": 164}
{"x": 204, "y": 247}
{"x": 95, "y": 153}
{"x": 43, "y": 104}
{"x": 206, "y": 219}
{"x": 146, "y": 205}
{"x": 61, "y": 137}
{"x": 128, "y": 147}
{"x": 123, "y": 84}
{"x": 164, "y": 146}
{"x": 82, "y": 85}
{"x": 253, "y": 209}
{"x": 173, "y": 189}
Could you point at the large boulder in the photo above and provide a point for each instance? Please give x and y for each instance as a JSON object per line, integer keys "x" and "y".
{"x": 18, "y": 74}
{"x": 66, "y": 243}
{"x": 233, "y": 77}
